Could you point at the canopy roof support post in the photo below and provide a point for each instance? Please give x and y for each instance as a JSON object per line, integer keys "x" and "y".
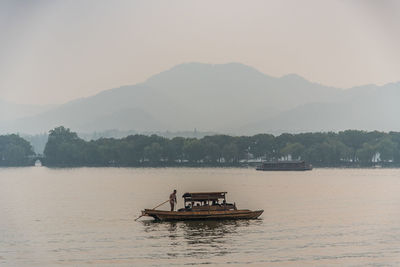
{"x": 224, "y": 202}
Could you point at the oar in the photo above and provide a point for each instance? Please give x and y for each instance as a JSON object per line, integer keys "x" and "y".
{"x": 153, "y": 209}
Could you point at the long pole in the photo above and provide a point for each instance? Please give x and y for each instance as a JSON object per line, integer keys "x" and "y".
{"x": 153, "y": 209}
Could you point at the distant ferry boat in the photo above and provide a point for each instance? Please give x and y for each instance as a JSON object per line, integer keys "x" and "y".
{"x": 285, "y": 166}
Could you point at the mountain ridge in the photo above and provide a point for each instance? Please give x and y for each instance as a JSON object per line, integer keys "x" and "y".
{"x": 229, "y": 98}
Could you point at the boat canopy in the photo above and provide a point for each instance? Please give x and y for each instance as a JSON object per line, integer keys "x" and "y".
{"x": 202, "y": 196}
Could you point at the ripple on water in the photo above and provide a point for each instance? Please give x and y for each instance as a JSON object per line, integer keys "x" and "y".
{"x": 85, "y": 217}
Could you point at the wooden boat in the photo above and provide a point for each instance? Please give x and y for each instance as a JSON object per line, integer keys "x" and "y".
{"x": 203, "y": 206}
{"x": 285, "y": 166}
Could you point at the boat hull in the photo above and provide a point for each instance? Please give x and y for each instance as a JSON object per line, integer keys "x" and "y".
{"x": 285, "y": 166}
{"x": 284, "y": 169}
{"x": 161, "y": 215}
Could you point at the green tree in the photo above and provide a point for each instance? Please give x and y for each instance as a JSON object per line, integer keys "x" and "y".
{"x": 322, "y": 149}
{"x": 353, "y": 139}
{"x": 193, "y": 150}
{"x": 329, "y": 153}
{"x": 263, "y": 145}
{"x": 153, "y": 152}
{"x": 174, "y": 149}
{"x": 395, "y": 137}
{"x": 386, "y": 149}
{"x": 230, "y": 152}
{"x": 64, "y": 148}
{"x": 212, "y": 151}
{"x": 296, "y": 150}
{"x": 366, "y": 153}
{"x": 15, "y": 151}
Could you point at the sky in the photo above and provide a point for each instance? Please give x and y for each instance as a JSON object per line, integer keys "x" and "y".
{"x": 55, "y": 51}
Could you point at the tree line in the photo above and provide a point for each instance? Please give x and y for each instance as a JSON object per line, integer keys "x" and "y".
{"x": 345, "y": 148}
{"x": 15, "y": 151}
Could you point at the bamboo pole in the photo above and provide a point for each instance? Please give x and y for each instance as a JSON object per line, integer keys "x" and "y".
{"x": 153, "y": 209}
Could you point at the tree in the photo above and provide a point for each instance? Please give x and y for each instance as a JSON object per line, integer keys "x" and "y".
{"x": 64, "y": 148}
{"x": 386, "y": 149}
{"x": 263, "y": 145}
{"x": 15, "y": 151}
{"x": 353, "y": 139}
{"x": 230, "y": 152}
{"x": 395, "y": 137}
{"x": 281, "y": 141}
{"x": 294, "y": 149}
{"x": 153, "y": 152}
{"x": 366, "y": 153}
{"x": 321, "y": 149}
{"x": 174, "y": 149}
{"x": 212, "y": 151}
{"x": 193, "y": 150}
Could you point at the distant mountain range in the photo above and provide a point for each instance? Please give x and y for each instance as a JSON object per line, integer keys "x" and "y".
{"x": 227, "y": 98}
{"x": 11, "y": 111}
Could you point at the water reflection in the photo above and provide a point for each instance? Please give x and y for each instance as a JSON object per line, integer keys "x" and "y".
{"x": 198, "y": 239}
{"x": 83, "y": 217}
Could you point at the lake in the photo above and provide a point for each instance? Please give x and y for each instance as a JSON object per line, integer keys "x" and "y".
{"x": 85, "y": 217}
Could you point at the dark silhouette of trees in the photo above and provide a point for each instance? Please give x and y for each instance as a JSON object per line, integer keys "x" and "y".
{"x": 346, "y": 148}
{"x": 15, "y": 151}
{"x": 64, "y": 148}
{"x": 193, "y": 150}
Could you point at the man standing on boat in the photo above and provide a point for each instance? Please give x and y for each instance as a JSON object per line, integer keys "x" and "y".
{"x": 172, "y": 200}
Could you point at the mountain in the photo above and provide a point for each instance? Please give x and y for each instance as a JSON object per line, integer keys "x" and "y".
{"x": 11, "y": 111}
{"x": 112, "y": 109}
{"x": 218, "y": 97}
{"x": 365, "y": 108}
{"x": 227, "y": 98}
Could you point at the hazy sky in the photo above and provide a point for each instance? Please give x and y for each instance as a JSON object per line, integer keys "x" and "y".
{"x": 55, "y": 51}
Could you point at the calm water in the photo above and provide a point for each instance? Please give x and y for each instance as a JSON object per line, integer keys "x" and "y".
{"x": 85, "y": 217}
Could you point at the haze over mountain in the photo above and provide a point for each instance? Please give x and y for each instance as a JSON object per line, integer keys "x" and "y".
{"x": 226, "y": 98}
{"x": 12, "y": 111}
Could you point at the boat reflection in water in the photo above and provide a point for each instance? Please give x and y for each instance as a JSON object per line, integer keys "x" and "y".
{"x": 201, "y": 239}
